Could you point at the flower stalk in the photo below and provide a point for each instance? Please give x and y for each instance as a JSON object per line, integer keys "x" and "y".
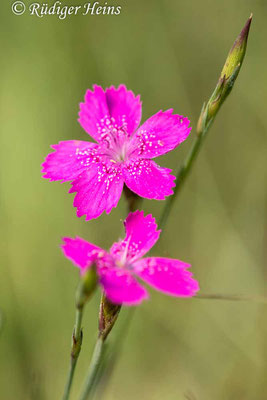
{"x": 93, "y": 369}
{"x": 85, "y": 289}
{"x": 209, "y": 111}
{"x": 108, "y": 315}
{"x": 77, "y": 337}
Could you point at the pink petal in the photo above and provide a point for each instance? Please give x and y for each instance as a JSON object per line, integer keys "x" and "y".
{"x": 112, "y": 108}
{"x": 148, "y": 180}
{"x": 141, "y": 235}
{"x": 80, "y": 252}
{"x": 161, "y": 133}
{"x": 120, "y": 287}
{"x": 167, "y": 275}
{"x": 93, "y": 112}
{"x": 69, "y": 160}
{"x": 124, "y": 107}
{"x": 98, "y": 189}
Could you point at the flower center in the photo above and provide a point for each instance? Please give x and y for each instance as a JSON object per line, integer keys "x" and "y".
{"x": 121, "y": 253}
{"x": 116, "y": 142}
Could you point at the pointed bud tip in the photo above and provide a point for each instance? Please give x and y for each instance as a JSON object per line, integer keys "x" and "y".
{"x": 245, "y": 31}
{"x": 242, "y": 38}
{"x": 237, "y": 52}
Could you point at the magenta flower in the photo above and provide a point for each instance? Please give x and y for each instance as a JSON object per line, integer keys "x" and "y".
{"x": 122, "y": 154}
{"x": 119, "y": 268}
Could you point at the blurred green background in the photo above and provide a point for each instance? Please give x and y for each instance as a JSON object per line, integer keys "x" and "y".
{"x": 171, "y": 52}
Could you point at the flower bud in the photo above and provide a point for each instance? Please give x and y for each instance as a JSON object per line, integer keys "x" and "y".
{"x": 237, "y": 52}
{"x": 87, "y": 286}
{"x": 226, "y": 81}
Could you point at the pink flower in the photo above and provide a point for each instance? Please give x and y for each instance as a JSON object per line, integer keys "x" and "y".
{"x": 119, "y": 268}
{"x": 122, "y": 154}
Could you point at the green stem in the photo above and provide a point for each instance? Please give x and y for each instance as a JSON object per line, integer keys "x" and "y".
{"x": 66, "y": 394}
{"x": 209, "y": 111}
{"x": 181, "y": 176}
{"x": 231, "y": 297}
{"x": 75, "y": 351}
{"x": 78, "y": 322}
{"x": 112, "y": 354}
{"x": 93, "y": 369}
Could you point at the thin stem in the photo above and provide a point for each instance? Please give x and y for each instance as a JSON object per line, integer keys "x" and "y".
{"x": 93, "y": 369}
{"x": 180, "y": 178}
{"x": 66, "y": 394}
{"x": 231, "y": 297}
{"x": 112, "y": 354}
{"x": 78, "y": 322}
{"x": 203, "y": 126}
{"x": 210, "y": 109}
{"x": 75, "y": 351}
